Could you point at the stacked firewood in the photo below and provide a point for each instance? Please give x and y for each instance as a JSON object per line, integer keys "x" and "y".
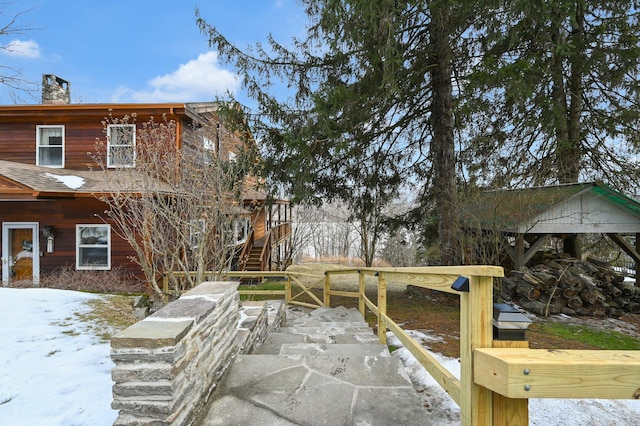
{"x": 571, "y": 287}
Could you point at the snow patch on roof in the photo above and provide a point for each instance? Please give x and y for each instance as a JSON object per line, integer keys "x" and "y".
{"x": 73, "y": 182}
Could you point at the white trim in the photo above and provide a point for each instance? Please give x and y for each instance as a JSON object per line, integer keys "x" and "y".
{"x": 132, "y": 145}
{"x": 39, "y": 128}
{"x": 79, "y": 246}
{"x": 35, "y": 248}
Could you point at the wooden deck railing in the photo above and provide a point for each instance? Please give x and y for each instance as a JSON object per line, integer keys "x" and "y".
{"x": 246, "y": 249}
{"x": 294, "y": 289}
{"x": 496, "y": 377}
{"x": 280, "y": 231}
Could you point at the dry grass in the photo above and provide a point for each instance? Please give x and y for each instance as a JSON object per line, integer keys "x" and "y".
{"x": 108, "y": 315}
{"x": 115, "y": 281}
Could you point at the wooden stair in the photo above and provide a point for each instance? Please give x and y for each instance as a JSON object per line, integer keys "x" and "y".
{"x": 253, "y": 263}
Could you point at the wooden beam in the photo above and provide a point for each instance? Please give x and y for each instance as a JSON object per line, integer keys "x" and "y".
{"x": 466, "y": 270}
{"x": 624, "y": 245}
{"x": 543, "y": 373}
{"x": 519, "y": 255}
{"x": 510, "y": 411}
{"x": 533, "y": 248}
{"x": 509, "y": 249}
{"x": 382, "y": 307}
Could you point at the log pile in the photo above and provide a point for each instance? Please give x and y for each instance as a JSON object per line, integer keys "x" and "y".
{"x": 571, "y": 287}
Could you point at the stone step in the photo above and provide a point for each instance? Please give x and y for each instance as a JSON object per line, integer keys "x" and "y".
{"x": 297, "y": 390}
{"x": 333, "y": 329}
{"x": 257, "y": 320}
{"x": 324, "y": 314}
{"x": 273, "y": 342}
{"x": 334, "y": 350}
{"x": 325, "y": 367}
{"x": 329, "y": 324}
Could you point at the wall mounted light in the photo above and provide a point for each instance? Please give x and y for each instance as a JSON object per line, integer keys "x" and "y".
{"x": 47, "y": 232}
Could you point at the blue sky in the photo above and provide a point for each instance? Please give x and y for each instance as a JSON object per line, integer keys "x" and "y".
{"x": 121, "y": 51}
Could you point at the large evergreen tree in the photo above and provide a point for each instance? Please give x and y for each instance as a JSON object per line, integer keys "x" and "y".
{"x": 372, "y": 110}
{"x": 554, "y": 94}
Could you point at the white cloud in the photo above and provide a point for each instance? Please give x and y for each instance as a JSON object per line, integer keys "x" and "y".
{"x": 22, "y": 48}
{"x": 199, "y": 79}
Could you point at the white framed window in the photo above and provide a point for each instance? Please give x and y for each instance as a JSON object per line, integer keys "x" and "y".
{"x": 121, "y": 145}
{"x": 50, "y": 146}
{"x": 233, "y": 157}
{"x": 197, "y": 229}
{"x": 210, "y": 151}
{"x": 241, "y": 228}
{"x": 93, "y": 247}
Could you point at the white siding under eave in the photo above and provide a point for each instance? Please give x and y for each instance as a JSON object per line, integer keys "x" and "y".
{"x": 583, "y": 214}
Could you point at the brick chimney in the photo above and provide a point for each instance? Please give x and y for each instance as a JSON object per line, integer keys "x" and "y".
{"x": 55, "y": 90}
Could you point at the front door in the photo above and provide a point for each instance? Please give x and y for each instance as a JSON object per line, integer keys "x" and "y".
{"x": 20, "y": 252}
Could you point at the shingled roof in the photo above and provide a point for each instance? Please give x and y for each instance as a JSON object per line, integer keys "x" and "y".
{"x": 46, "y": 181}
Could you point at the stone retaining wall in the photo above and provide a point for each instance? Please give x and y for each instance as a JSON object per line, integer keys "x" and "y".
{"x": 168, "y": 364}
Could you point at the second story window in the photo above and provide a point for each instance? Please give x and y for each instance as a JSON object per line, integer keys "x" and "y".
{"x": 50, "y": 146}
{"x": 121, "y": 145}
{"x": 210, "y": 150}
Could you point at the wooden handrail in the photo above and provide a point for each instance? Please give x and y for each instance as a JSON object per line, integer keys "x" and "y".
{"x": 246, "y": 249}
{"x": 265, "y": 254}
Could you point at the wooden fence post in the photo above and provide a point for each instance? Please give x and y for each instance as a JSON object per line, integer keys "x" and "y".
{"x": 361, "y": 290}
{"x": 476, "y": 331}
{"x": 327, "y": 289}
{"x": 165, "y": 288}
{"x": 287, "y": 290}
{"x": 382, "y": 307}
{"x": 510, "y": 411}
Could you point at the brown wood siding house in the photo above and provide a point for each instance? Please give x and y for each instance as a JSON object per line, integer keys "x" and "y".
{"x": 50, "y": 220}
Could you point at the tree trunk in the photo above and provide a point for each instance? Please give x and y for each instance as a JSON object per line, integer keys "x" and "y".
{"x": 442, "y": 144}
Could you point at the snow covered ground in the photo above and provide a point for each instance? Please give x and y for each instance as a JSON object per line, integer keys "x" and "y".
{"x": 542, "y": 412}
{"x": 54, "y": 371}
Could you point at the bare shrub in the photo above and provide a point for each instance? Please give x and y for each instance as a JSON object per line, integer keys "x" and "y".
{"x": 115, "y": 281}
{"x": 178, "y": 208}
